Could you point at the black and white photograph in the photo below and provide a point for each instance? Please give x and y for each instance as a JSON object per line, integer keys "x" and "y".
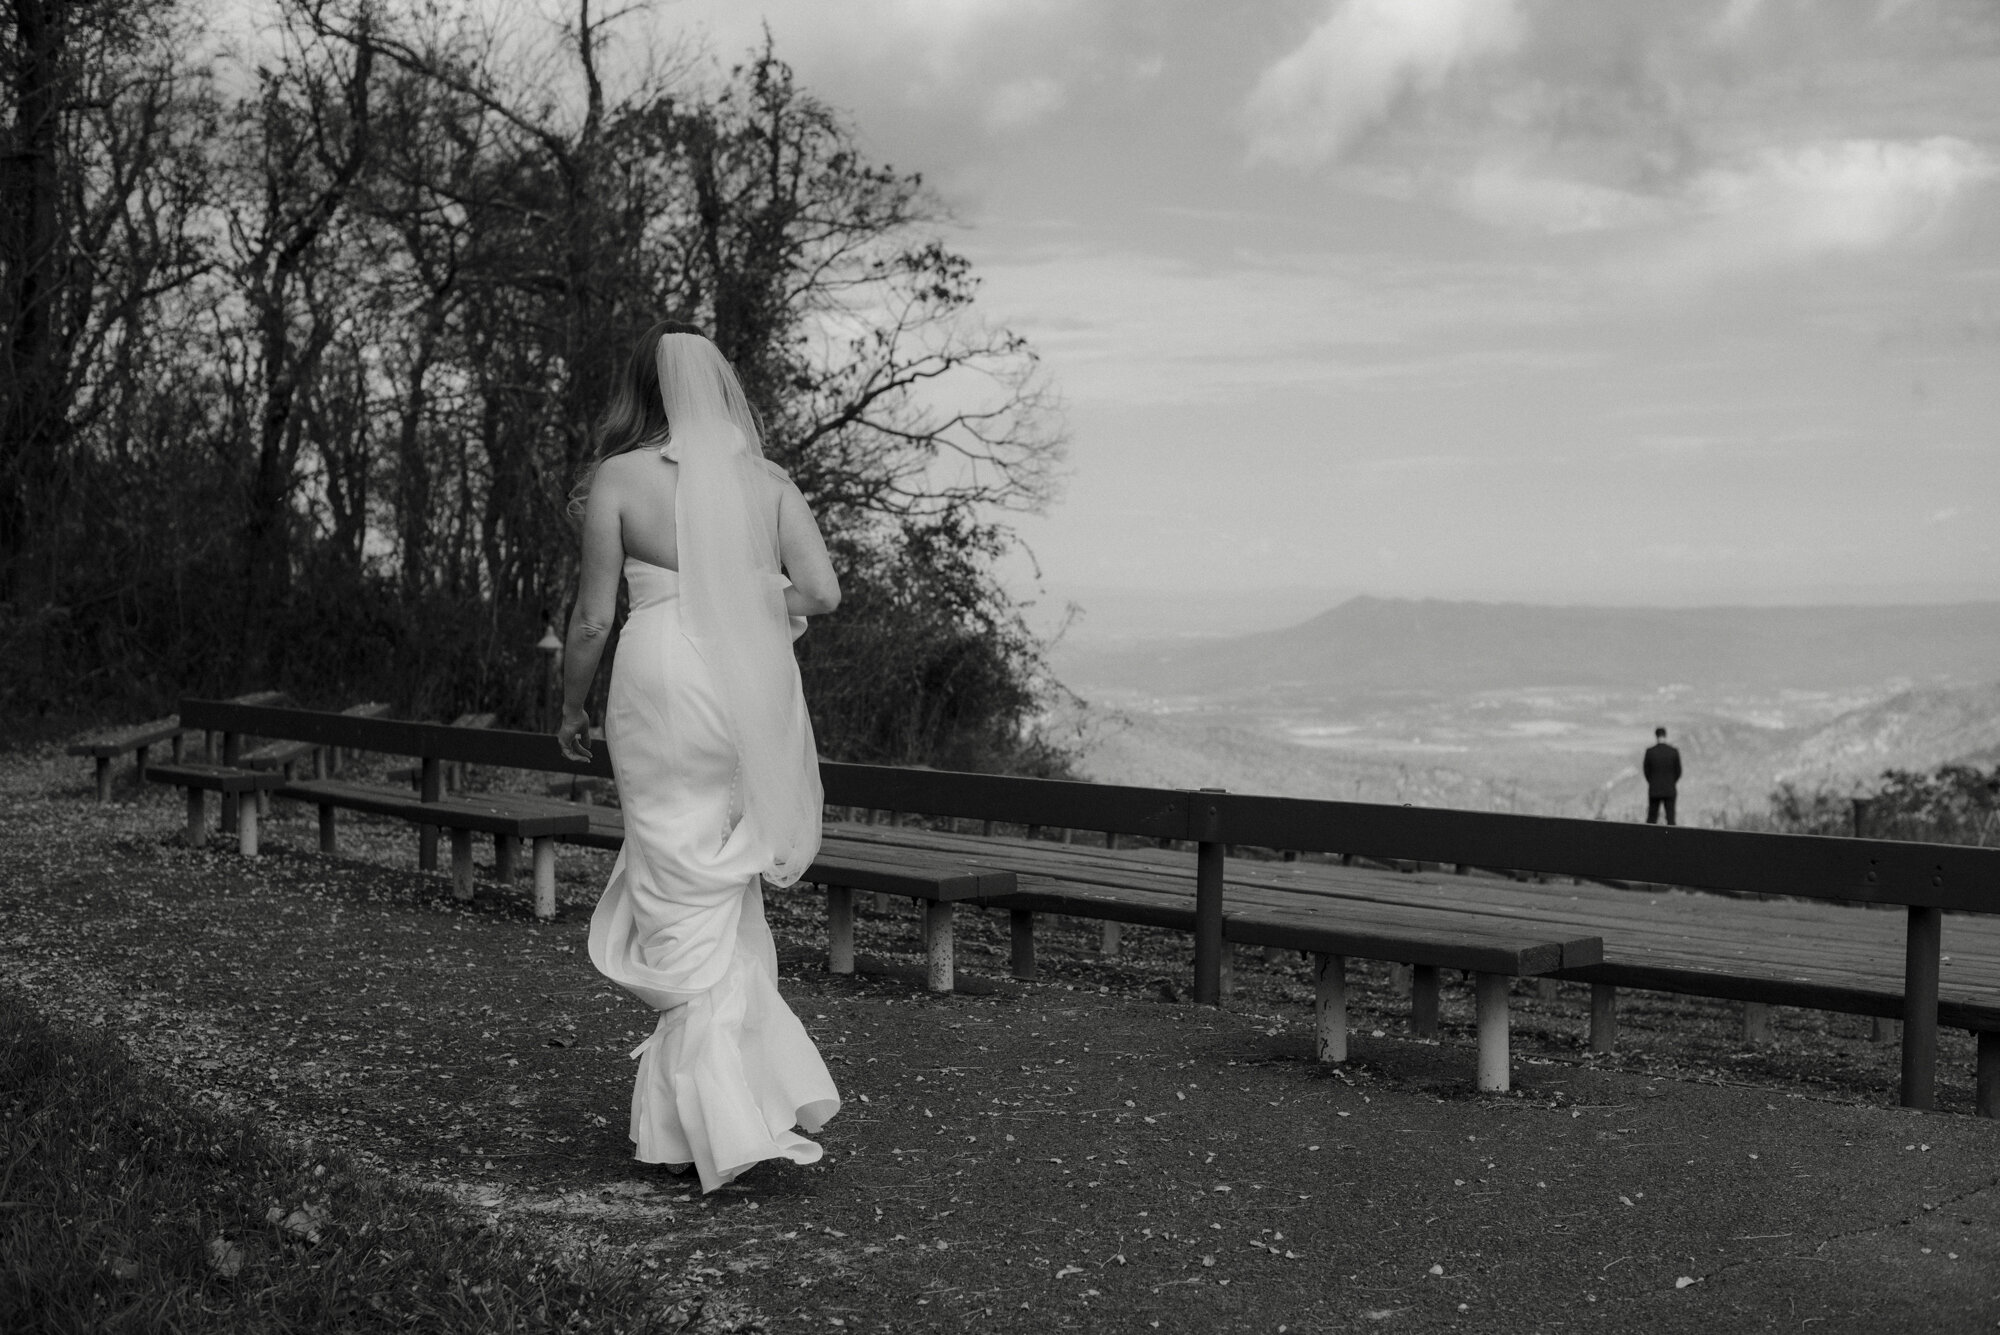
{"x": 694, "y": 667}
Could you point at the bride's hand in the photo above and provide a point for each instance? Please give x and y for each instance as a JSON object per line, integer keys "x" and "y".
{"x": 573, "y": 734}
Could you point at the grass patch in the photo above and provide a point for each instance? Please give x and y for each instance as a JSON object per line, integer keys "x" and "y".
{"x": 125, "y": 1208}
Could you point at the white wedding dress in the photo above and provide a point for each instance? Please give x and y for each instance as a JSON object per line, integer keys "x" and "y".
{"x": 729, "y": 1071}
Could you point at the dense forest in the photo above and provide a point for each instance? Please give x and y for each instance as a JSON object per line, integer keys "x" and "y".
{"x": 307, "y": 322}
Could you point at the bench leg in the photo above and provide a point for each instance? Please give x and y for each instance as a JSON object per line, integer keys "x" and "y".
{"x": 545, "y": 876}
{"x": 506, "y": 857}
{"x": 461, "y": 865}
{"x": 139, "y": 764}
{"x": 1021, "y": 928}
{"x": 1986, "y": 1081}
{"x": 1603, "y": 1017}
{"x": 937, "y": 944}
{"x": 1330, "y": 1007}
{"x": 1424, "y": 1000}
{"x": 1756, "y": 1024}
{"x": 179, "y": 746}
{"x": 103, "y": 779}
{"x": 246, "y": 820}
{"x": 197, "y": 817}
{"x": 1491, "y": 992}
{"x": 839, "y": 929}
{"x": 427, "y": 847}
{"x": 328, "y": 837}
{"x": 1107, "y": 943}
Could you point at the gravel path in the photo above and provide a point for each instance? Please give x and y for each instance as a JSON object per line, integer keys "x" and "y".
{"x": 1076, "y": 1153}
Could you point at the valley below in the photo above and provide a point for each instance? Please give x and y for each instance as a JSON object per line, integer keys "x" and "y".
{"x": 1481, "y": 707}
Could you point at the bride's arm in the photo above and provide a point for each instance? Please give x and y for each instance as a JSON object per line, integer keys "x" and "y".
{"x": 590, "y": 620}
{"x": 815, "y": 589}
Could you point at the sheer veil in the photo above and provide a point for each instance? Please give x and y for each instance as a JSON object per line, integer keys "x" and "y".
{"x": 733, "y": 602}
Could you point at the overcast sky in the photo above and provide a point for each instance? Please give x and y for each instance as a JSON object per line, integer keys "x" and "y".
{"x": 1560, "y": 300}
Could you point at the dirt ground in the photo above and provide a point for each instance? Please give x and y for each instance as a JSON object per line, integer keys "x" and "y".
{"x": 1083, "y": 1152}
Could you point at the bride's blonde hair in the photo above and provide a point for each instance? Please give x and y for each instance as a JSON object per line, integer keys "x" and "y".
{"x": 636, "y": 413}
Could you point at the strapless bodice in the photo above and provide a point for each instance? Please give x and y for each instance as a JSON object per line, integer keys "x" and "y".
{"x": 650, "y": 585}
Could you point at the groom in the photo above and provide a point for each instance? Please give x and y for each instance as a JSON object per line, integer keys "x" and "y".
{"x": 1663, "y": 775}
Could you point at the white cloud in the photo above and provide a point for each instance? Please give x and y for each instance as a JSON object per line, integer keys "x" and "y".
{"x": 1789, "y": 205}
{"x": 1351, "y": 69}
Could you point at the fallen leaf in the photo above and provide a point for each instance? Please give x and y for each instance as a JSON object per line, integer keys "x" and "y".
{"x": 1437, "y": 1270}
{"x": 225, "y": 1258}
{"x": 1683, "y": 1281}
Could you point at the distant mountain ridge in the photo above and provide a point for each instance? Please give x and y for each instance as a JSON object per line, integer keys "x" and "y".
{"x": 1385, "y": 644}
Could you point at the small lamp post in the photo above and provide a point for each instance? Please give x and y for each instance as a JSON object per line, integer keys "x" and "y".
{"x": 551, "y": 645}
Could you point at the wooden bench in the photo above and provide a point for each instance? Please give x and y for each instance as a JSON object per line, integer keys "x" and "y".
{"x": 141, "y": 738}
{"x": 239, "y": 788}
{"x": 462, "y": 815}
{"x": 1156, "y": 889}
{"x": 511, "y": 817}
{"x": 843, "y": 868}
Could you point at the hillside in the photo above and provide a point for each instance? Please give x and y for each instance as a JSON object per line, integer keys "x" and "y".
{"x": 1732, "y": 763}
{"x": 1368, "y": 645}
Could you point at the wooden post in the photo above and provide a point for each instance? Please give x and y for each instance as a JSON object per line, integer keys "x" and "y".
{"x": 1021, "y": 928}
{"x": 839, "y": 929}
{"x": 232, "y": 745}
{"x": 180, "y": 745}
{"x": 506, "y": 857}
{"x": 1490, "y": 991}
{"x": 246, "y": 821}
{"x": 1111, "y": 839}
{"x": 937, "y": 944}
{"x": 427, "y": 835}
{"x": 1603, "y": 1017}
{"x": 1921, "y": 945}
{"x": 328, "y": 838}
{"x": 986, "y": 827}
{"x": 1986, "y": 1078}
{"x": 103, "y": 780}
{"x": 197, "y": 817}
{"x": 139, "y": 764}
{"x": 1107, "y": 944}
{"x": 461, "y": 863}
{"x": 1289, "y": 855}
{"x": 1756, "y": 1024}
{"x": 1424, "y": 1001}
{"x": 1330, "y": 1007}
{"x": 1208, "y": 921}
{"x": 545, "y": 877}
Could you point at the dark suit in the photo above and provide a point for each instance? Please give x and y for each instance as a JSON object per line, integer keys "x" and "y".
{"x": 1663, "y": 773}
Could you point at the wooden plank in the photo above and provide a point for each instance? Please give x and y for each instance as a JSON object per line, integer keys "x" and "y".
{"x": 214, "y": 778}
{"x": 1818, "y": 867}
{"x": 1446, "y": 950}
{"x": 471, "y": 813}
{"x": 1156, "y": 812}
{"x": 112, "y": 744}
{"x": 500, "y": 747}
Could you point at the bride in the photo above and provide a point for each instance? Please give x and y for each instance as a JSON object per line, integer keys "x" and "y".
{"x": 711, "y": 748}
